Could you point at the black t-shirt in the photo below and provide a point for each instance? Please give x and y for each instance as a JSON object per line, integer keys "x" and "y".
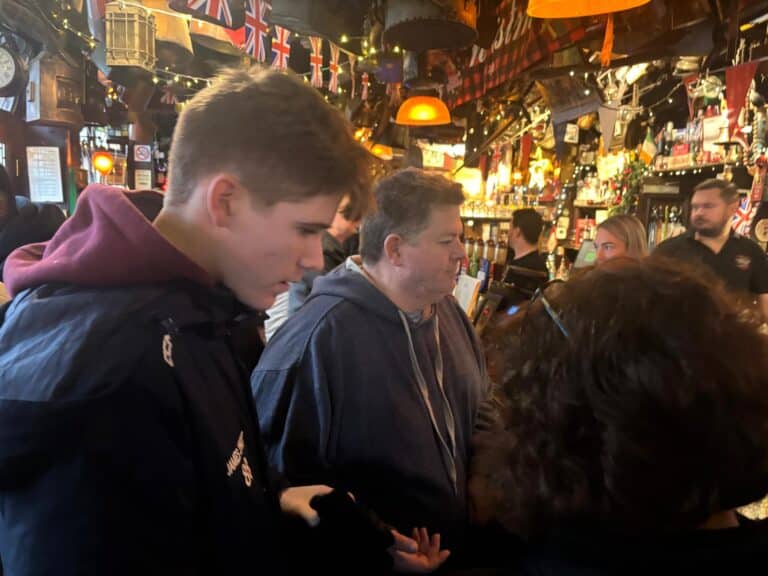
{"x": 527, "y": 283}
{"x": 532, "y": 261}
{"x": 741, "y": 264}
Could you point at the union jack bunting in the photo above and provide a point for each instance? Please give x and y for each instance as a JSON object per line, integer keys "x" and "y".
{"x": 281, "y": 48}
{"x": 227, "y": 13}
{"x": 742, "y": 220}
{"x": 333, "y": 85}
{"x": 316, "y": 61}
{"x": 256, "y": 29}
{"x": 216, "y": 9}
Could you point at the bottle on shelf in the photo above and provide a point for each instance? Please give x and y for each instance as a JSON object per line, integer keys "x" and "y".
{"x": 474, "y": 263}
{"x": 502, "y": 251}
{"x": 563, "y": 270}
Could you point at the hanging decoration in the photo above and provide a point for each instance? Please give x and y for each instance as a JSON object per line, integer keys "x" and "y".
{"x": 365, "y": 83}
{"x": 689, "y": 82}
{"x": 229, "y": 13}
{"x": 737, "y": 82}
{"x": 256, "y": 29}
{"x": 316, "y": 61}
{"x": 333, "y": 84}
{"x": 608, "y": 115}
{"x": 96, "y": 12}
{"x": 605, "y": 53}
{"x": 281, "y": 48}
{"x": 742, "y": 220}
{"x": 352, "y": 59}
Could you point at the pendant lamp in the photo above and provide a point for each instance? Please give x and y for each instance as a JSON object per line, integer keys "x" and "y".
{"x": 103, "y": 162}
{"x": 423, "y": 111}
{"x": 578, "y": 8}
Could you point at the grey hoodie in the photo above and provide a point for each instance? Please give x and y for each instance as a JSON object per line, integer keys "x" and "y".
{"x": 339, "y": 402}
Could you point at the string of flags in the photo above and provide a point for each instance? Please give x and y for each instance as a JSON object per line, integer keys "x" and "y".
{"x": 274, "y": 50}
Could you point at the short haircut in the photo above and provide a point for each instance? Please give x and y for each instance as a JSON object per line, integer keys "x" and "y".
{"x": 728, "y": 191}
{"x": 404, "y": 203}
{"x": 276, "y": 134}
{"x": 530, "y": 224}
{"x": 630, "y": 231}
{"x": 651, "y": 415}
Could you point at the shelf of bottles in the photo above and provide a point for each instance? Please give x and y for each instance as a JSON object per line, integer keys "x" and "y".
{"x": 702, "y": 145}
{"x": 501, "y": 206}
{"x": 666, "y": 221}
{"x": 486, "y": 257}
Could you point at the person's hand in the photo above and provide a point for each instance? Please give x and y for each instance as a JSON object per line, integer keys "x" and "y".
{"x": 296, "y": 501}
{"x": 418, "y": 555}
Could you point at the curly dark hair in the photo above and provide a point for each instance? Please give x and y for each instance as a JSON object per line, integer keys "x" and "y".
{"x": 651, "y": 414}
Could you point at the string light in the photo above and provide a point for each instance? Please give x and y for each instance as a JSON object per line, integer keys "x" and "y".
{"x": 87, "y": 38}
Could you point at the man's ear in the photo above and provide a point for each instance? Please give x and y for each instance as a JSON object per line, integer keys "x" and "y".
{"x": 393, "y": 249}
{"x": 220, "y": 199}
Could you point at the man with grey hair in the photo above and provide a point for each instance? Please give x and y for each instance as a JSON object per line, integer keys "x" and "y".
{"x": 375, "y": 386}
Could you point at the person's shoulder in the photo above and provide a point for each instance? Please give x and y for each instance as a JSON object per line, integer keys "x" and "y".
{"x": 675, "y": 244}
{"x": 63, "y": 343}
{"x": 748, "y": 245}
{"x": 289, "y": 344}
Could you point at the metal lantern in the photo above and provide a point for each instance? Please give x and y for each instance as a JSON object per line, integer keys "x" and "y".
{"x": 130, "y": 36}
{"x": 421, "y": 25}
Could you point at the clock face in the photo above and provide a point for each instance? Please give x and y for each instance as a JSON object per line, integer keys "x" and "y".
{"x": 7, "y": 68}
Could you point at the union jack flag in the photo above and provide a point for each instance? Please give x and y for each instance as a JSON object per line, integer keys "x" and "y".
{"x": 217, "y": 9}
{"x": 256, "y": 29}
{"x": 316, "y": 60}
{"x": 281, "y": 48}
{"x": 742, "y": 220}
{"x": 333, "y": 85}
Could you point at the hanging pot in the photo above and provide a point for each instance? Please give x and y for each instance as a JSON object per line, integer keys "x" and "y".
{"x": 421, "y": 25}
{"x": 172, "y": 39}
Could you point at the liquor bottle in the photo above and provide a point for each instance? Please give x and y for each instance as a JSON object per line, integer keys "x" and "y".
{"x": 490, "y": 250}
{"x": 563, "y": 222}
{"x": 502, "y": 252}
{"x": 474, "y": 263}
{"x": 464, "y": 269}
{"x": 484, "y": 272}
{"x": 652, "y": 228}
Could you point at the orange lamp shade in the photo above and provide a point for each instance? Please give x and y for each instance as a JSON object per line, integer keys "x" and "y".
{"x": 578, "y": 8}
{"x": 103, "y": 162}
{"x": 423, "y": 111}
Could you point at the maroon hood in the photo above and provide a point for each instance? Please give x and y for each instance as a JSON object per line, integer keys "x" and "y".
{"x": 106, "y": 242}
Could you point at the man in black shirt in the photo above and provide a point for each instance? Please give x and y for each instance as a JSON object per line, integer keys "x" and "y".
{"x": 527, "y": 267}
{"x": 711, "y": 242}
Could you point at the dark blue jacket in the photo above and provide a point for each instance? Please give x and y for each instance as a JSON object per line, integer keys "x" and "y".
{"x": 127, "y": 440}
{"x": 339, "y": 404}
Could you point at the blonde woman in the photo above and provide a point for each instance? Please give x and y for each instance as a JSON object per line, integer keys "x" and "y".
{"x": 621, "y": 236}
